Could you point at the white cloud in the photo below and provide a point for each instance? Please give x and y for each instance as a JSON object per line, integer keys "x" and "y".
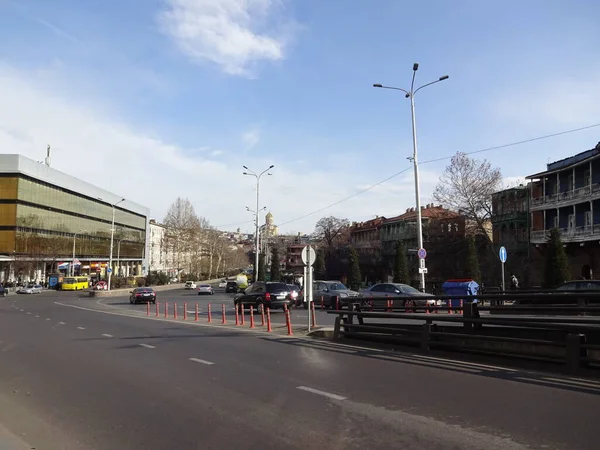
{"x": 230, "y": 33}
{"x": 251, "y": 138}
{"x": 106, "y": 152}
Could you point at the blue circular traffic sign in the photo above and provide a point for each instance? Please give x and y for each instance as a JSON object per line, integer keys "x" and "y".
{"x": 422, "y": 253}
{"x": 109, "y": 270}
{"x": 502, "y": 254}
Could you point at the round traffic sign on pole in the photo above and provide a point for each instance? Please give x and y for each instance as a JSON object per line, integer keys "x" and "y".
{"x": 422, "y": 253}
{"x": 308, "y": 255}
{"x": 502, "y": 254}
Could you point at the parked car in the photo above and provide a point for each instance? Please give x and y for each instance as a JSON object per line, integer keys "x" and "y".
{"x": 329, "y": 291}
{"x": 231, "y": 287}
{"x": 189, "y": 285}
{"x": 270, "y": 294}
{"x": 295, "y": 294}
{"x": 3, "y": 291}
{"x": 31, "y": 289}
{"x": 205, "y": 289}
{"x": 143, "y": 295}
{"x": 223, "y": 283}
{"x": 378, "y": 293}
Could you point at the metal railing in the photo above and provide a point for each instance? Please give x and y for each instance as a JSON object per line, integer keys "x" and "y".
{"x": 567, "y": 339}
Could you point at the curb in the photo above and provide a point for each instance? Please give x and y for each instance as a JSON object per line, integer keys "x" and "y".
{"x": 325, "y": 332}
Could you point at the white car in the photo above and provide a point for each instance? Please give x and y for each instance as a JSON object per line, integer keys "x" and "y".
{"x": 223, "y": 283}
{"x": 31, "y": 289}
{"x": 189, "y": 285}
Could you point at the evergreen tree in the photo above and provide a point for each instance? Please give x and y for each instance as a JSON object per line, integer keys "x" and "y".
{"x": 320, "y": 270}
{"x": 354, "y": 277}
{"x": 557, "y": 263}
{"x": 401, "y": 265}
{"x": 261, "y": 267}
{"x": 473, "y": 270}
{"x": 275, "y": 272}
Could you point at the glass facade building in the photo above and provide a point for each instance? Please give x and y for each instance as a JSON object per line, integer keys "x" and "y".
{"x": 44, "y": 213}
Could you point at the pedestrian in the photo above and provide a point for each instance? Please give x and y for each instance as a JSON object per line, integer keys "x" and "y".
{"x": 514, "y": 283}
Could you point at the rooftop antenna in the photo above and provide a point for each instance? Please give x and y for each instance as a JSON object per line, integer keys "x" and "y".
{"x": 47, "y": 160}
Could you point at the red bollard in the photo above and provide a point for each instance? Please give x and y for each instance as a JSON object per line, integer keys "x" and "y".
{"x": 314, "y": 314}
{"x": 288, "y": 322}
{"x": 147, "y": 308}
{"x": 322, "y": 304}
{"x": 185, "y": 311}
{"x": 449, "y": 306}
{"x": 157, "y": 308}
{"x": 251, "y": 316}
{"x": 269, "y": 320}
{"x": 209, "y": 314}
{"x": 196, "y": 313}
{"x": 223, "y": 316}
{"x": 242, "y": 314}
{"x": 262, "y": 315}
{"x": 237, "y": 316}
{"x": 461, "y": 306}
{"x": 337, "y": 303}
{"x": 166, "y": 310}
{"x": 174, "y": 310}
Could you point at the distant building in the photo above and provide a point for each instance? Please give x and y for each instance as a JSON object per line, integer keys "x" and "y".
{"x": 365, "y": 237}
{"x": 161, "y": 257}
{"x": 566, "y": 196}
{"x": 45, "y": 214}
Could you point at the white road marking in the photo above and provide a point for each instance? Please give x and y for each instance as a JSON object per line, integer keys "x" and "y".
{"x": 37, "y": 315}
{"x": 147, "y": 346}
{"x": 467, "y": 363}
{"x": 562, "y": 383}
{"x": 202, "y": 361}
{"x": 61, "y": 323}
{"x": 585, "y": 383}
{"x": 48, "y": 318}
{"x": 80, "y": 328}
{"x": 322, "y": 393}
{"x": 107, "y": 335}
{"x": 434, "y": 364}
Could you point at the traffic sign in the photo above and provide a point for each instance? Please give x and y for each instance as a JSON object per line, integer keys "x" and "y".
{"x": 422, "y": 269}
{"x": 502, "y": 254}
{"x": 422, "y": 253}
{"x": 109, "y": 270}
{"x": 308, "y": 255}
{"x": 422, "y": 264}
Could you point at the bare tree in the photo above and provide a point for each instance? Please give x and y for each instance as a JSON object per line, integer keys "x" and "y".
{"x": 466, "y": 186}
{"x": 181, "y": 222}
{"x": 332, "y": 232}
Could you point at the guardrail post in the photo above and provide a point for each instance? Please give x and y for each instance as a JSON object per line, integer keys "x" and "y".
{"x": 574, "y": 351}
{"x": 426, "y": 331}
{"x": 336, "y": 328}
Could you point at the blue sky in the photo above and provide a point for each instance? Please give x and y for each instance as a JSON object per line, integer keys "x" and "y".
{"x": 166, "y": 98}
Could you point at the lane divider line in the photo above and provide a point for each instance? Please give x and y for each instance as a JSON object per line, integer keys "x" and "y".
{"x": 80, "y": 328}
{"x": 147, "y": 346}
{"x": 108, "y": 335}
{"x": 48, "y": 318}
{"x": 61, "y": 323}
{"x": 202, "y": 361}
{"x": 321, "y": 393}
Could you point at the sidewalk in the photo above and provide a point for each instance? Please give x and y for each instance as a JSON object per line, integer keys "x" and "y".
{"x": 9, "y": 441}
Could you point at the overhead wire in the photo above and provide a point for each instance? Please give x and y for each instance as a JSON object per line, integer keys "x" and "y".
{"x": 483, "y": 150}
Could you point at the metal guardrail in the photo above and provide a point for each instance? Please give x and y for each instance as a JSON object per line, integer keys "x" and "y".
{"x": 570, "y": 341}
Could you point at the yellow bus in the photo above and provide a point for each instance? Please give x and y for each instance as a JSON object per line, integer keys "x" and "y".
{"x": 75, "y": 283}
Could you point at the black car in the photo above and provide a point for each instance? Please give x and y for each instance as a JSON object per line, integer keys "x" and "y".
{"x": 231, "y": 287}
{"x": 272, "y": 295}
{"x": 142, "y": 295}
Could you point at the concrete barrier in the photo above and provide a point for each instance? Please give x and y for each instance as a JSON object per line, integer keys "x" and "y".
{"x": 125, "y": 292}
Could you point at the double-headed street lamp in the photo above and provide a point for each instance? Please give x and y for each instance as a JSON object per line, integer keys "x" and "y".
{"x": 112, "y": 239}
{"x": 257, "y": 176}
{"x": 411, "y": 94}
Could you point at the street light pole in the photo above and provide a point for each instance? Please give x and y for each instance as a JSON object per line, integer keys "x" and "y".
{"x": 257, "y": 238}
{"x": 411, "y": 95}
{"x": 112, "y": 241}
{"x": 73, "y": 260}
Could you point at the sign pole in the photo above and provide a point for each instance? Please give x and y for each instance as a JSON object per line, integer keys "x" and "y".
{"x": 309, "y": 284}
{"x": 503, "y": 277}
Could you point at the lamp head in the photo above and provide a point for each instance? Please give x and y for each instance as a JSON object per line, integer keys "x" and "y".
{"x": 444, "y": 77}
{"x": 415, "y": 67}
{"x": 377, "y": 85}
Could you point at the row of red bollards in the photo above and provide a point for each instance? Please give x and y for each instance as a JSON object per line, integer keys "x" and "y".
{"x": 265, "y": 315}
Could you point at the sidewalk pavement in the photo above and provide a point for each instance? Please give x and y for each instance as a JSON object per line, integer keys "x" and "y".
{"x": 9, "y": 441}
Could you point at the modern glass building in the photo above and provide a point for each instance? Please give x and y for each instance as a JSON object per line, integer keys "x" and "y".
{"x": 47, "y": 215}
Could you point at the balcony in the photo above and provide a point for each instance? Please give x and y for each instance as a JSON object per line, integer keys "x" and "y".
{"x": 577, "y": 234}
{"x": 586, "y": 193}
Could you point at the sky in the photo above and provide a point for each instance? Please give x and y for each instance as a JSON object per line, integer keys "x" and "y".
{"x": 159, "y": 99}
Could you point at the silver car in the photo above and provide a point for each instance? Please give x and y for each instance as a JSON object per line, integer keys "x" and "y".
{"x": 31, "y": 289}
{"x": 378, "y": 292}
{"x": 326, "y": 293}
{"x": 205, "y": 289}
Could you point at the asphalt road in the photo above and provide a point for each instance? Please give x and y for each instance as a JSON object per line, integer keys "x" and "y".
{"x": 76, "y": 374}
